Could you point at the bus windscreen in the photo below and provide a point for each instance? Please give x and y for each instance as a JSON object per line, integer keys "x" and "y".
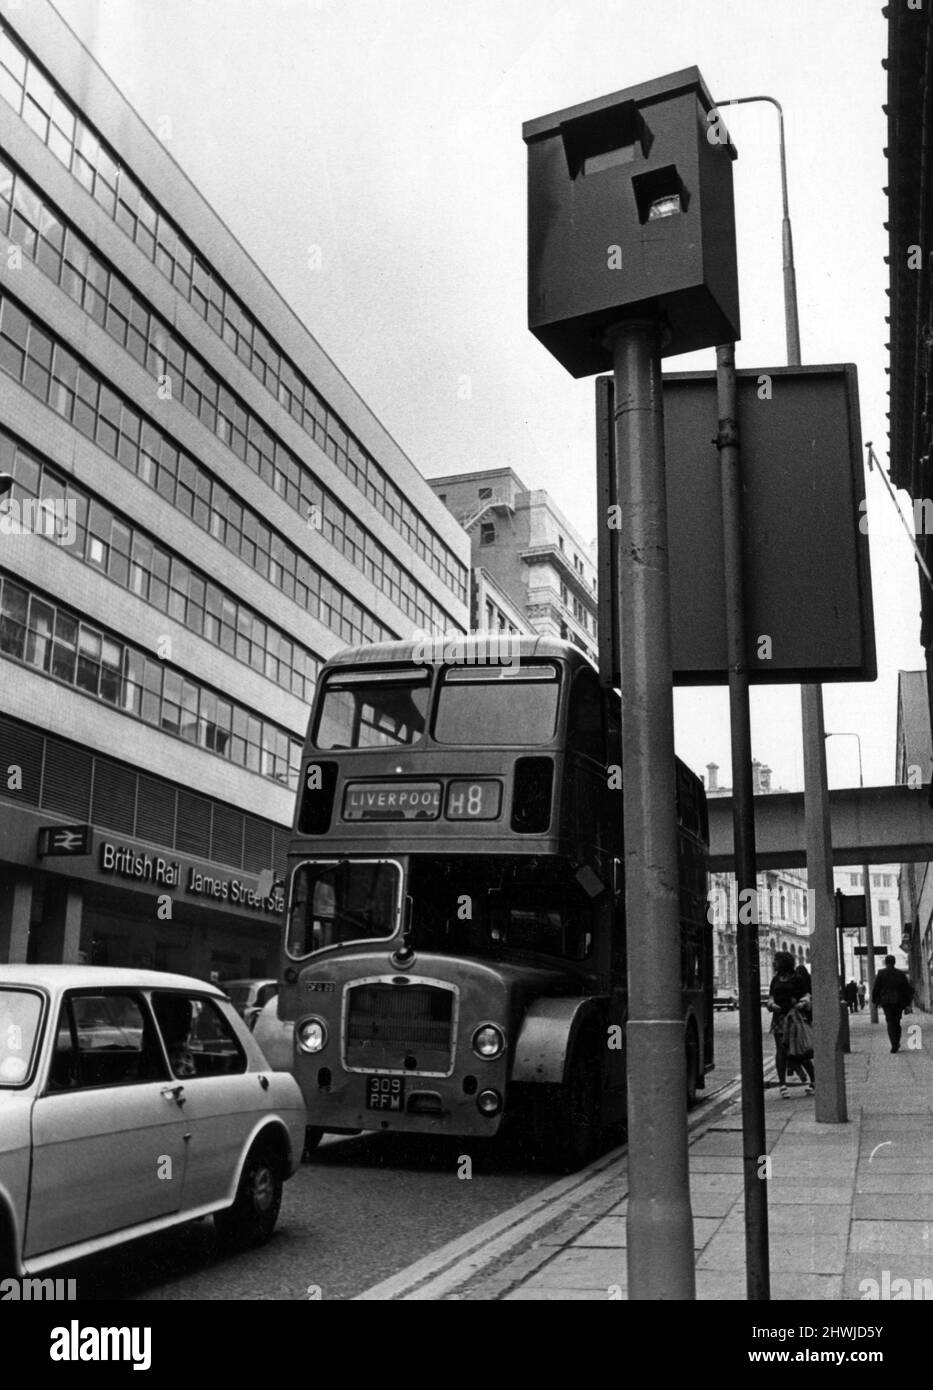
{"x": 336, "y": 903}
{"x": 477, "y": 707}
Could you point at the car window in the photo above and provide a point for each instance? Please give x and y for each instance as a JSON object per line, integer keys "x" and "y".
{"x": 104, "y": 1038}
{"x": 20, "y": 1012}
{"x": 265, "y": 994}
{"x": 199, "y": 1040}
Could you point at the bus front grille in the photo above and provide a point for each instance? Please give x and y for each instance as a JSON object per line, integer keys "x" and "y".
{"x": 400, "y": 1028}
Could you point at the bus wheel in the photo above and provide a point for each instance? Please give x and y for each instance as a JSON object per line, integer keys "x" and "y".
{"x": 313, "y": 1137}
{"x": 693, "y": 1065}
{"x": 572, "y": 1133}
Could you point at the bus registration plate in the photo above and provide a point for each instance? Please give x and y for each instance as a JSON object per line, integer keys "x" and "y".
{"x": 385, "y": 1092}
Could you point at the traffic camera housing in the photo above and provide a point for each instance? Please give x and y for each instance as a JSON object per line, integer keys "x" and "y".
{"x": 631, "y": 214}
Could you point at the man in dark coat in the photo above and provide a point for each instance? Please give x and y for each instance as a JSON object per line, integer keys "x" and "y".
{"x": 851, "y": 996}
{"x": 894, "y": 993}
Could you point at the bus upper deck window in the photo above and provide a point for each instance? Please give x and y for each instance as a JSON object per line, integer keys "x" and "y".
{"x": 486, "y": 705}
{"x": 371, "y": 709}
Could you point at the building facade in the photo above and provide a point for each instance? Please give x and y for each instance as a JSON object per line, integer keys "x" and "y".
{"x": 203, "y": 511}
{"x": 913, "y": 759}
{"x": 782, "y": 903}
{"x": 527, "y": 546}
{"x": 909, "y": 114}
{"x": 885, "y": 917}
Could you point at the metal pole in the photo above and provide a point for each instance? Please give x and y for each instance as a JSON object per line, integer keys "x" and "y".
{"x": 828, "y": 1062}
{"x": 660, "y": 1221}
{"x": 754, "y": 1141}
{"x": 866, "y": 879}
{"x": 827, "y": 1054}
{"x": 845, "y": 1041}
{"x": 827, "y": 1021}
{"x": 869, "y": 920}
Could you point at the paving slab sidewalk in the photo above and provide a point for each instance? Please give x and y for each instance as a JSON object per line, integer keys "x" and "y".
{"x": 850, "y": 1205}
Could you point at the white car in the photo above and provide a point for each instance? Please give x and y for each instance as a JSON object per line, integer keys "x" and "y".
{"x": 249, "y": 997}
{"x": 130, "y": 1101}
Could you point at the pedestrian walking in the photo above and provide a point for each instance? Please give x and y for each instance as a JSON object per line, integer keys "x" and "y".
{"x": 803, "y": 975}
{"x": 851, "y": 996}
{"x": 862, "y": 992}
{"x": 787, "y": 990}
{"x": 894, "y": 993}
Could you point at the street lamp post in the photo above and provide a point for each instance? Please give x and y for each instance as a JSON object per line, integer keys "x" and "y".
{"x": 830, "y": 1074}
{"x": 866, "y": 877}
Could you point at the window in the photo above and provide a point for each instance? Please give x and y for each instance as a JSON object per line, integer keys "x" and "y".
{"x": 20, "y": 1013}
{"x": 104, "y": 1038}
{"x": 64, "y": 648}
{"x": 884, "y": 907}
{"x": 585, "y": 718}
{"x": 487, "y": 533}
{"x": 14, "y": 606}
{"x": 362, "y": 710}
{"x": 484, "y": 494}
{"x": 481, "y": 706}
{"x": 199, "y": 1040}
{"x": 39, "y": 636}
{"x": 89, "y": 654}
{"x": 352, "y": 901}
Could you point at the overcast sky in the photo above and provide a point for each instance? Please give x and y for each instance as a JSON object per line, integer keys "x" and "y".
{"x": 388, "y": 134}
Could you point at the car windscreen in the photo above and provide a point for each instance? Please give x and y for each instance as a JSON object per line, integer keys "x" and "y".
{"x": 371, "y": 709}
{"x": 335, "y": 903}
{"x": 511, "y": 705}
{"x": 20, "y": 1015}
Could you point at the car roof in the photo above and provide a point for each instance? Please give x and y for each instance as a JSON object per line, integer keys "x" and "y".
{"x": 59, "y": 977}
{"x": 249, "y": 980}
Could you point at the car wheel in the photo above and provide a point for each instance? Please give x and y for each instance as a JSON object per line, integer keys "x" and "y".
{"x": 313, "y": 1137}
{"x": 255, "y": 1210}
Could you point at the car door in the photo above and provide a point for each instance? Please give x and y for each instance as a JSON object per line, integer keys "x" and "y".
{"x": 108, "y": 1137}
{"x": 222, "y": 1099}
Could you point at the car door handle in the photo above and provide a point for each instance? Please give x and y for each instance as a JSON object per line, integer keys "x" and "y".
{"x": 176, "y": 1093}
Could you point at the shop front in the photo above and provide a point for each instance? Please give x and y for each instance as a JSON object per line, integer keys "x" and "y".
{"x": 76, "y": 893}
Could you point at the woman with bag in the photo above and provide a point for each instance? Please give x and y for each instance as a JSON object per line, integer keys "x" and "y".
{"x": 789, "y": 1028}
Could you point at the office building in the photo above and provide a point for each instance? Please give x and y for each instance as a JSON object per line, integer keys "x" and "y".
{"x": 203, "y": 511}
{"x": 525, "y": 544}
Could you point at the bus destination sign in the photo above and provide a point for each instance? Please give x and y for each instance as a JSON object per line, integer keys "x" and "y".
{"x": 392, "y": 801}
{"x": 466, "y": 799}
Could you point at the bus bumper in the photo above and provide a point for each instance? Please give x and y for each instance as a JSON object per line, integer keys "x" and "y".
{"x": 472, "y": 1106}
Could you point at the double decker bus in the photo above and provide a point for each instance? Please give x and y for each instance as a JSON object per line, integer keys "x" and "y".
{"x": 454, "y": 954}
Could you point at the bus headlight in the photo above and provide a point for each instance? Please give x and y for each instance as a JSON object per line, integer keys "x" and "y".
{"x": 312, "y": 1035}
{"x": 488, "y": 1041}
